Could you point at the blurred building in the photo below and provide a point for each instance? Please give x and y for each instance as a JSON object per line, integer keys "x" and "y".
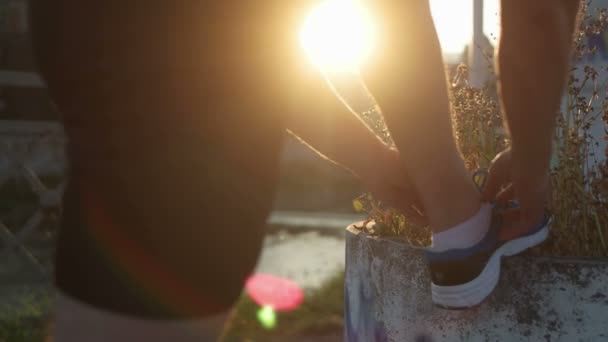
{"x": 22, "y": 96}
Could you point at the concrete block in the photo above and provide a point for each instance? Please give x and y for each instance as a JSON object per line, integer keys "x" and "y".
{"x": 388, "y": 298}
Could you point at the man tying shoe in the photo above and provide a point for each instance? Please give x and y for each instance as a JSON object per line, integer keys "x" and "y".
{"x": 467, "y": 246}
{"x": 175, "y": 113}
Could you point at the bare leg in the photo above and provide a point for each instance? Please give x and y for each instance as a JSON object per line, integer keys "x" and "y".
{"x": 531, "y": 84}
{"x": 531, "y": 87}
{"x": 409, "y": 82}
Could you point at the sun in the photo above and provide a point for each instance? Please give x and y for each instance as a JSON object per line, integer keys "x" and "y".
{"x": 338, "y": 35}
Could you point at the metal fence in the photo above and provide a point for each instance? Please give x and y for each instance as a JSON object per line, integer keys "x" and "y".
{"x": 28, "y": 150}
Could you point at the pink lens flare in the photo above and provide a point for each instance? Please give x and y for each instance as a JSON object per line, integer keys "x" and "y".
{"x": 271, "y": 291}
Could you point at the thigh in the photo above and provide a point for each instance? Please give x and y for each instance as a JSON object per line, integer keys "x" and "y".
{"x": 169, "y": 184}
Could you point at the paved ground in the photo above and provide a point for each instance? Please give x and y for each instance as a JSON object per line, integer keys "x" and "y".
{"x": 307, "y": 258}
{"x": 297, "y": 249}
{"x": 332, "y": 223}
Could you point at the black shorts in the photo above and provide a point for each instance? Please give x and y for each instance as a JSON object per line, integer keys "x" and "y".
{"x": 174, "y": 134}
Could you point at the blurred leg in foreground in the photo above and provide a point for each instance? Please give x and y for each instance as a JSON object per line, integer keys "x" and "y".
{"x": 173, "y": 147}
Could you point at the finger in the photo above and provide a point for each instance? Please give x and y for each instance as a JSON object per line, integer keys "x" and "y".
{"x": 415, "y": 218}
{"x": 395, "y": 197}
{"x": 405, "y": 202}
{"x": 405, "y": 194}
{"x": 400, "y": 195}
{"x": 505, "y": 195}
{"x": 392, "y": 194}
{"x": 412, "y": 214}
{"x": 499, "y": 174}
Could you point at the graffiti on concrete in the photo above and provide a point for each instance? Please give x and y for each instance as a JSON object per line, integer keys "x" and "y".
{"x": 360, "y": 322}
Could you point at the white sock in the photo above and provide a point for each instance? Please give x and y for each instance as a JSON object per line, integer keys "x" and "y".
{"x": 466, "y": 234}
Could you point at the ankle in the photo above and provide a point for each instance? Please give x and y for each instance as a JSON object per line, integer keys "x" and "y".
{"x": 465, "y": 234}
{"x": 454, "y": 208}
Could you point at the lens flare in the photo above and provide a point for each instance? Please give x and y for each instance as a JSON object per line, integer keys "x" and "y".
{"x": 338, "y": 35}
{"x": 267, "y": 317}
{"x": 278, "y": 293}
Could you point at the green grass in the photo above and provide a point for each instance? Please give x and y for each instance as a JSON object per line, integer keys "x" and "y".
{"x": 321, "y": 313}
{"x": 26, "y": 321}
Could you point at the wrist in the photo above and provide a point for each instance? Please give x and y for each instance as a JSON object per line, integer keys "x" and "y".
{"x": 377, "y": 156}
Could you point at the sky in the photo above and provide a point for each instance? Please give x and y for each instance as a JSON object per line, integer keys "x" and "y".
{"x": 454, "y": 22}
{"x": 339, "y": 35}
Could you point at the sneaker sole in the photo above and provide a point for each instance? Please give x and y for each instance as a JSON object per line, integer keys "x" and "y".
{"x": 474, "y": 292}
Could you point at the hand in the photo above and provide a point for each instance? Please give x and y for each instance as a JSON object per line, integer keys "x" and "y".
{"x": 509, "y": 180}
{"x": 387, "y": 179}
